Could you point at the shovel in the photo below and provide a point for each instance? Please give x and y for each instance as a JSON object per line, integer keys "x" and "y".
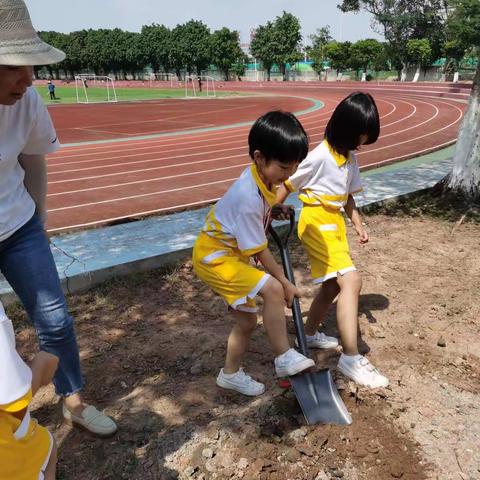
{"x": 315, "y": 391}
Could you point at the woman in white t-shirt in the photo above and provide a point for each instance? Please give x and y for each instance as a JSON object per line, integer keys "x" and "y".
{"x": 26, "y": 136}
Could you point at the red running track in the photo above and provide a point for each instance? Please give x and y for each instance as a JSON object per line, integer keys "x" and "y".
{"x": 98, "y": 184}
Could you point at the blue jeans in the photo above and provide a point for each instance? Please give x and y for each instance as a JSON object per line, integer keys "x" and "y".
{"x": 27, "y": 263}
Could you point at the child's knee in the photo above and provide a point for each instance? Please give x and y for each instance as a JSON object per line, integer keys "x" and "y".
{"x": 356, "y": 280}
{"x": 247, "y": 322}
{"x": 351, "y": 280}
{"x": 272, "y": 290}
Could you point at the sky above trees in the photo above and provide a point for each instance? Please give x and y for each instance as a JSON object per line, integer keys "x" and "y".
{"x": 69, "y": 15}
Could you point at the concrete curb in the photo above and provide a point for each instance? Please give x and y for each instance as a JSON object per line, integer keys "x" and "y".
{"x": 88, "y": 258}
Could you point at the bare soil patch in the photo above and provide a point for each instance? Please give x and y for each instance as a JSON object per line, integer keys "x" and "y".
{"x": 152, "y": 344}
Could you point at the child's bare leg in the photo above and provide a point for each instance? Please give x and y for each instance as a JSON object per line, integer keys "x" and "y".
{"x": 347, "y": 310}
{"x": 320, "y": 305}
{"x": 274, "y": 315}
{"x": 50, "y": 471}
{"x": 245, "y": 323}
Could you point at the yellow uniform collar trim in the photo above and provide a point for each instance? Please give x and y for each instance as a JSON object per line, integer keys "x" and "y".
{"x": 269, "y": 196}
{"x": 18, "y": 405}
{"x": 338, "y": 157}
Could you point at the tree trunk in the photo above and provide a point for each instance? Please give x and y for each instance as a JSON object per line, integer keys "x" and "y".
{"x": 465, "y": 175}
{"x": 403, "y": 73}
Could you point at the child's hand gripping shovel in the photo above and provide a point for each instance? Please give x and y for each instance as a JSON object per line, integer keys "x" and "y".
{"x": 315, "y": 391}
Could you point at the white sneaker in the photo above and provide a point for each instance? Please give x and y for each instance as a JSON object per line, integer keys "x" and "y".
{"x": 240, "y": 382}
{"x": 320, "y": 340}
{"x": 291, "y": 362}
{"x": 361, "y": 371}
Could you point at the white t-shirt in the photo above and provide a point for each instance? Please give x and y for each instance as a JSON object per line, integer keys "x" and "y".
{"x": 326, "y": 177}
{"x": 239, "y": 218}
{"x": 25, "y": 127}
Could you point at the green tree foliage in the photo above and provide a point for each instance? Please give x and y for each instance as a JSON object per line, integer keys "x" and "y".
{"x": 366, "y": 53}
{"x": 338, "y": 53}
{"x": 225, "y": 51}
{"x": 419, "y": 52}
{"x": 156, "y": 43}
{"x": 464, "y": 23}
{"x": 190, "y": 46}
{"x": 261, "y": 46}
{"x": 286, "y": 41}
{"x": 318, "y": 50}
{"x": 455, "y": 50}
{"x": 403, "y": 20}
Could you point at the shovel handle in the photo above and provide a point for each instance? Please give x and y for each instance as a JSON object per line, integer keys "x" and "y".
{"x": 287, "y": 268}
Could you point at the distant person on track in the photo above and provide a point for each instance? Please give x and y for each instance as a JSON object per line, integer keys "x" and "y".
{"x": 234, "y": 234}
{"x": 26, "y": 136}
{"x": 327, "y": 180}
{"x": 51, "y": 90}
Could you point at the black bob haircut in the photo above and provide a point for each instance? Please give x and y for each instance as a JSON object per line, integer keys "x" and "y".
{"x": 354, "y": 116}
{"x": 279, "y": 136}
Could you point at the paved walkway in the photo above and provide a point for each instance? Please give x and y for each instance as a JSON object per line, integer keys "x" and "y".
{"x": 89, "y": 257}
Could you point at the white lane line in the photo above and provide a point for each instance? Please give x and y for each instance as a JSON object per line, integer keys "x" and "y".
{"x": 201, "y": 172}
{"x": 136, "y": 214}
{"x": 314, "y": 116}
{"x": 126, "y": 172}
{"x": 165, "y": 119}
{"x": 147, "y": 145}
{"x": 142, "y": 195}
{"x": 192, "y": 163}
{"x": 117, "y": 157}
{"x": 412, "y": 154}
{"x": 144, "y": 161}
{"x": 416, "y": 138}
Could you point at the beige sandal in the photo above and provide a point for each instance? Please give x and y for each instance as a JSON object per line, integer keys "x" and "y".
{"x": 92, "y": 421}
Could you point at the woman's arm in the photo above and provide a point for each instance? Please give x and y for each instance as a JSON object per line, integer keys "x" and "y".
{"x": 35, "y": 181}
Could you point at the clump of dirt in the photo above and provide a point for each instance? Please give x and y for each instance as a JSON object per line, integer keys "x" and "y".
{"x": 152, "y": 344}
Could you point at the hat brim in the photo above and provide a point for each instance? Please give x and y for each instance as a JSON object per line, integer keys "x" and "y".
{"x": 31, "y": 55}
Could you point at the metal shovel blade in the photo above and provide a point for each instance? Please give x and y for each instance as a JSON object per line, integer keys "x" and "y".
{"x": 315, "y": 391}
{"x": 319, "y": 399}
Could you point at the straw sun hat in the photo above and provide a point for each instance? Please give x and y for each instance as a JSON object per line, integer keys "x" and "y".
{"x": 19, "y": 43}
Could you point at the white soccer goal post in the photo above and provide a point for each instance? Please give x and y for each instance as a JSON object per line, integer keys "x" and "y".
{"x": 92, "y": 88}
{"x": 195, "y": 84}
{"x": 163, "y": 77}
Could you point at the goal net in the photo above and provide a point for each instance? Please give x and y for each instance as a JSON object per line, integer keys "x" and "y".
{"x": 196, "y": 86}
{"x": 91, "y": 88}
{"x": 156, "y": 78}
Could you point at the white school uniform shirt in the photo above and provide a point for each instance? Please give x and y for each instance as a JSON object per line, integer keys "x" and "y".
{"x": 326, "y": 177}
{"x": 15, "y": 375}
{"x": 239, "y": 218}
{"x": 25, "y": 127}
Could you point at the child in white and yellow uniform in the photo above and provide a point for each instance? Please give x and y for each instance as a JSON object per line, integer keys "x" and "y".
{"x": 234, "y": 232}
{"x": 27, "y": 450}
{"x": 327, "y": 180}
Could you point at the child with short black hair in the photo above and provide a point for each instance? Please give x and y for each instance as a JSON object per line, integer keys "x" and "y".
{"x": 234, "y": 232}
{"x": 327, "y": 181}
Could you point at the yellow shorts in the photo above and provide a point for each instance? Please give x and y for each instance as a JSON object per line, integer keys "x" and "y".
{"x": 25, "y": 458}
{"x": 228, "y": 273}
{"x": 322, "y": 232}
